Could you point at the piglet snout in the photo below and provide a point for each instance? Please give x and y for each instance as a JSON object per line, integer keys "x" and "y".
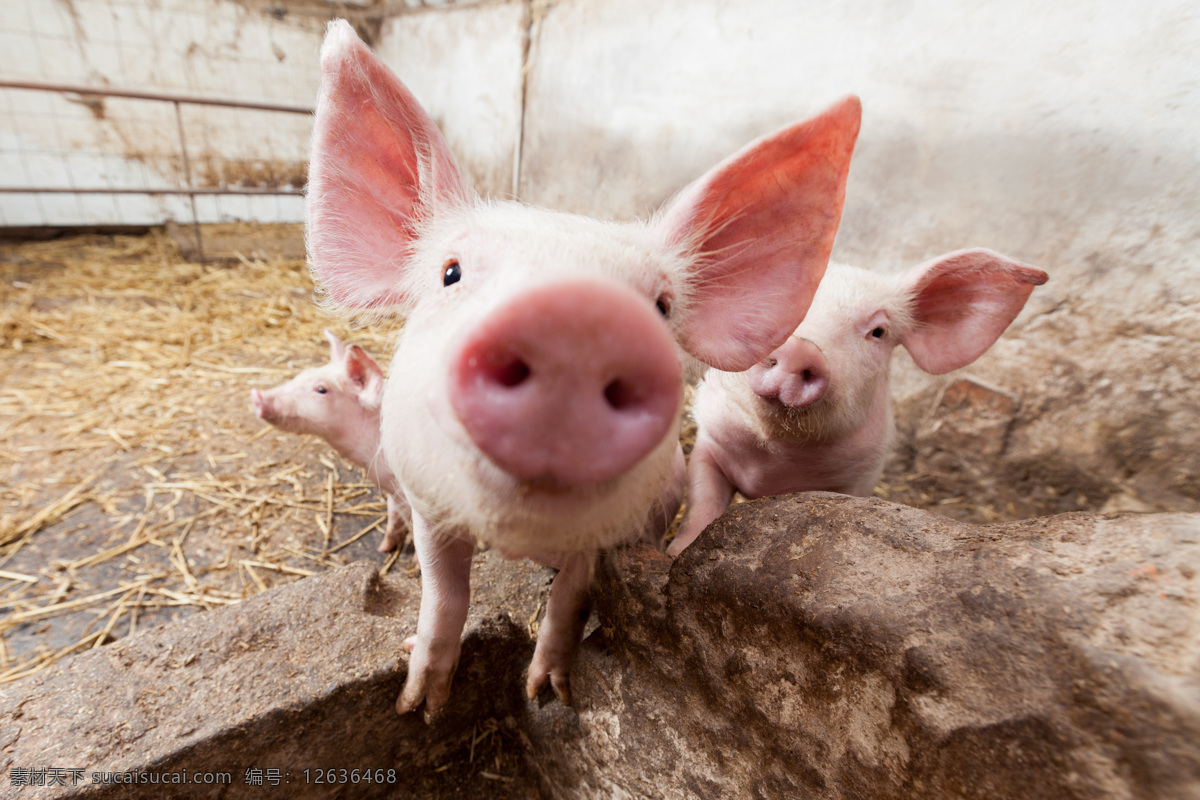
{"x": 795, "y": 374}
{"x": 571, "y": 381}
{"x": 262, "y": 405}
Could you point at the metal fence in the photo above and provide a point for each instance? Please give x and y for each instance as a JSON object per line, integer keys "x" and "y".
{"x": 213, "y": 176}
{"x": 126, "y": 112}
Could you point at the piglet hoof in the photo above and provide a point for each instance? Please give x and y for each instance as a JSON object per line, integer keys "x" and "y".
{"x": 688, "y": 533}
{"x": 430, "y": 672}
{"x": 558, "y": 676}
{"x": 392, "y": 539}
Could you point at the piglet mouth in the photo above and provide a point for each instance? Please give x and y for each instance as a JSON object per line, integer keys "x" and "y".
{"x": 545, "y": 484}
{"x": 548, "y": 488}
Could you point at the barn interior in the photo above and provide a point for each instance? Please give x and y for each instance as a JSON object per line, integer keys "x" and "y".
{"x": 153, "y": 159}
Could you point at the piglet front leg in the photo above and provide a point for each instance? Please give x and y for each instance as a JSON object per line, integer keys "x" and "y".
{"x": 445, "y": 562}
{"x": 709, "y": 493}
{"x": 397, "y": 510}
{"x": 567, "y": 611}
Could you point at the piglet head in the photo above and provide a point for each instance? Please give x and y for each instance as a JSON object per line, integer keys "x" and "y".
{"x": 330, "y": 401}
{"x": 543, "y": 353}
{"x": 829, "y": 379}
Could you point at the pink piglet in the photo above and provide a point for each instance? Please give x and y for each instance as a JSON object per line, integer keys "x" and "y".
{"x": 816, "y": 415}
{"x": 340, "y": 402}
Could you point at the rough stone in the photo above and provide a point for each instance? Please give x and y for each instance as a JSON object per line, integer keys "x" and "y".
{"x": 1107, "y": 425}
{"x": 302, "y": 677}
{"x": 971, "y": 417}
{"x": 815, "y": 645}
{"x": 832, "y": 647}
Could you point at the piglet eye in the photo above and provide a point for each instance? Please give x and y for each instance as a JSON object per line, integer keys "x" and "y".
{"x": 321, "y": 390}
{"x": 452, "y": 273}
{"x": 878, "y": 332}
{"x": 663, "y": 304}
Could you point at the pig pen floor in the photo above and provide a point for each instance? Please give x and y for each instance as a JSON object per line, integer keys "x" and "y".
{"x": 137, "y": 486}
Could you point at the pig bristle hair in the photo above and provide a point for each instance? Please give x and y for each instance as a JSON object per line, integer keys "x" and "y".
{"x": 861, "y": 287}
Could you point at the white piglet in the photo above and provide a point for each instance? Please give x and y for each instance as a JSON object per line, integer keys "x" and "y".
{"x": 816, "y": 415}
{"x": 544, "y": 353}
{"x": 340, "y": 402}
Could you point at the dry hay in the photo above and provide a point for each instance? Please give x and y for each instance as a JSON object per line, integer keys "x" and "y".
{"x": 136, "y": 479}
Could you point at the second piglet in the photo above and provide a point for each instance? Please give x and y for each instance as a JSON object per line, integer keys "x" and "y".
{"x": 544, "y": 353}
{"x": 816, "y": 415}
{"x": 339, "y": 402}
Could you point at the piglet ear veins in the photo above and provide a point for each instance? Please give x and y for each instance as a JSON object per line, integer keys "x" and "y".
{"x": 761, "y": 226}
{"x": 961, "y": 303}
{"x": 378, "y": 166}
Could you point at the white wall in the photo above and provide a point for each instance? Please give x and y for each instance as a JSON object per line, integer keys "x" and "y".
{"x": 1061, "y": 134}
{"x": 464, "y": 65}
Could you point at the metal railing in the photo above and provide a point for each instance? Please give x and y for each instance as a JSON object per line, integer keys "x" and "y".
{"x": 178, "y": 100}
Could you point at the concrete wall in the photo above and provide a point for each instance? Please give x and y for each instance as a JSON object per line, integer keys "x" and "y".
{"x": 465, "y": 66}
{"x": 1063, "y": 135}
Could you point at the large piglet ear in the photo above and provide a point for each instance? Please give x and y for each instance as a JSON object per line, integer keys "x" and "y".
{"x": 961, "y": 303}
{"x": 761, "y": 225}
{"x": 378, "y": 166}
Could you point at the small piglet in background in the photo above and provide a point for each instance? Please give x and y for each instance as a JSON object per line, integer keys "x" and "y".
{"x": 340, "y": 402}
{"x": 816, "y": 415}
{"x": 544, "y": 353}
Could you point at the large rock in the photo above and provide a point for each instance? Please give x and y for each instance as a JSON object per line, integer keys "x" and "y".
{"x": 813, "y": 646}
{"x": 832, "y": 647}
{"x": 298, "y": 679}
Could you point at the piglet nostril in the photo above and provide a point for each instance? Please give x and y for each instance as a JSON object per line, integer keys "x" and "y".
{"x": 808, "y": 375}
{"x": 505, "y": 370}
{"x": 620, "y": 395}
{"x": 514, "y": 374}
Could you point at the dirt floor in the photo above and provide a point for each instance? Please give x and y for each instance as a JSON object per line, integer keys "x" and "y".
{"x": 136, "y": 483}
